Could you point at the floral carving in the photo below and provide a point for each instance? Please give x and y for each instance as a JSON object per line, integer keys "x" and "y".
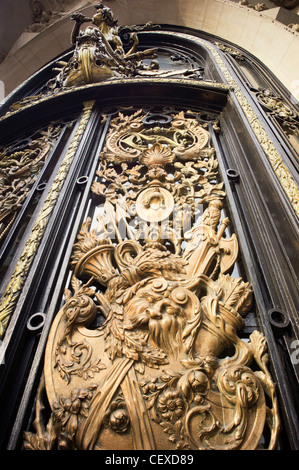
{"x": 169, "y": 401}
{"x": 117, "y": 416}
{"x": 64, "y": 421}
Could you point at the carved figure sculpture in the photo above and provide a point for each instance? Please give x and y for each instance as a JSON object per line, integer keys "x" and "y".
{"x": 99, "y": 54}
{"x": 166, "y": 368}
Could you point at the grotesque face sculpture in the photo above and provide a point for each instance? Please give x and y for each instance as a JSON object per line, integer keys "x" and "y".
{"x": 165, "y": 310}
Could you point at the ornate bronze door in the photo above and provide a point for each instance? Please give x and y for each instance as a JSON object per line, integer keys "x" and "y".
{"x": 148, "y": 287}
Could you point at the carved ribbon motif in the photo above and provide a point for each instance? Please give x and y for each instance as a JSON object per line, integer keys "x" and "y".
{"x": 165, "y": 369}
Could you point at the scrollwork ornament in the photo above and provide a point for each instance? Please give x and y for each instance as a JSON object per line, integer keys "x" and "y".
{"x": 143, "y": 184}
{"x": 281, "y": 171}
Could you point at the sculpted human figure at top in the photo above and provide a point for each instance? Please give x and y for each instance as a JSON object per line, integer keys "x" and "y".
{"x": 99, "y": 54}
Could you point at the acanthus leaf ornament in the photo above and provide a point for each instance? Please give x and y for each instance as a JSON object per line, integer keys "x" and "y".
{"x": 166, "y": 368}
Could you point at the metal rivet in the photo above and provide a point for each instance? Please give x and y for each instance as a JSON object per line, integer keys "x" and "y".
{"x": 82, "y": 180}
{"x": 36, "y": 321}
{"x": 232, "y": 175}
{"x": 278, "y": 319}
{"x": 41, "y": 186}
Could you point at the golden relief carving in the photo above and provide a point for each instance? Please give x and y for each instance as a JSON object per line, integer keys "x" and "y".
{"x": 166, "y": 369}
{"x": 230, "y": 50}
{"x": 106, "y": 32}
{"x": 280, "y": 169}
{"x": 174, "y": 173}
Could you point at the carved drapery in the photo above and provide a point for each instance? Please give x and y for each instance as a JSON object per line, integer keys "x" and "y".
{"x": 165, "y": 369}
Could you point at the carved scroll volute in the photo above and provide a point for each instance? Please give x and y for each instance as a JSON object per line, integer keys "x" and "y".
{"x": 165, "y": 369}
